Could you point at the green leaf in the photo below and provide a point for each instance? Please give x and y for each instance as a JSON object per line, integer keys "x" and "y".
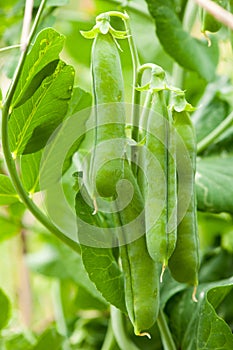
{"x": 5, "y": 308}
{"x": 40, "y": 62}
{"x": 214, "y": 179}
{"x": 197, "y": 325}
{"x": 30, "y": 168}
{"x": 50, "y": 339}
{"x": 104, "y": 272}
{"x": 80, "y": 99}
{"x": 8, "y": 228}
{"x": 8, "y": 194}
{"x": 211, "y": 331}
{"x": 189, "y": 52}
{"x": 99, "y": 263}
{"x": 32, "y": 123}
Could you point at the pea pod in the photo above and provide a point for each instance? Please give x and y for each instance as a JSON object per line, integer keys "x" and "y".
{"x": 140, "y": 271}
{"x": 108, "y": 90}
{"x": 160, "y": 198}
{"x": 210, "y": 23}
{"x": 184, "y": 261}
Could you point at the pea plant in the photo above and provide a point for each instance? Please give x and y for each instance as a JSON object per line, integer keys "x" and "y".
{"x": 116, "y": 175}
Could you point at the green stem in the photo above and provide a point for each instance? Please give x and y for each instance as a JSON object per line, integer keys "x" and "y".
{"x": 189, "y": 16}
{"x": 7, "y": 48}
{"x": 109, "y": 341}
{"x": 39, "y": 215}
{"x": 136, "y": 81}
{"x": 166, "y": 337}
{"x": 223, "y": 126}
{"x": 119, "y": 331}
{"x": 145, "y": 112}
{"x": 134, "y": 7}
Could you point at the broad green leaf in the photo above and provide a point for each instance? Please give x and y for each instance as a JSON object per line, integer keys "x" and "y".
{"x": 211, "y": 331}
{"x": 30, "y": 168}
{"x": 40, "y": 63}
{"x": 8, "y": 228}
{"x": 50, "y": 339}
{"x": 80, "y": 99}
{"x": 61, "y": 262}
{"x": 100, "y": 263}
{"x": 197, "y": 325}
{"x": 32, "y": 123}
{"x": 104, "y": 272}
{"x": 214, "y": 179}
{"x": 189, "y": 52}
{"x": 5, "y": 308}
{"x": 8, "y": 194}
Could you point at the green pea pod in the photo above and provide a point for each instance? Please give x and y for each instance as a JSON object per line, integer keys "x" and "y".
{"x": 210, "y": 23}
{"x": 110, "y": 118}
{"x": 184, "y": 261}
{"x": 162, "y": 192}
{"x": 171, "y": 194}
{"x": 156, "y": 195}
{"x": 106, "y": 165}
{"x": 140, "y": 271}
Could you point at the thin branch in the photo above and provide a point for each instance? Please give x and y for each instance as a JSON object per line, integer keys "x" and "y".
{"x": 7, "y": 48}
{"x": 121, "y": 336}
{"x": 166, "y": 337}
{"x": 210, "y": 138}
{"x": 217, "y": 12}
{"x": 26, "y": 24}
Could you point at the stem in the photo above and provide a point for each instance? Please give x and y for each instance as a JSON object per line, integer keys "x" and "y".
{"x": 136, "y": 81}
{"x": 217, "y": 12}
{"x": 109, "y": 341}
{"x": 59, "y": 313}
{"x": 39, "y": 215}
{"x": 223, "y": 126}
{"x": 119, "y": 330}
{"x": 136, "y": 96}
{"x": 166, "y": 337}
{"x": 133, "y": 7}
{"x": 145, "y": 112}
{"x": 189, "y": 15}
{"x": 3, "y": 49}
{"x": 26, "y": 23}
